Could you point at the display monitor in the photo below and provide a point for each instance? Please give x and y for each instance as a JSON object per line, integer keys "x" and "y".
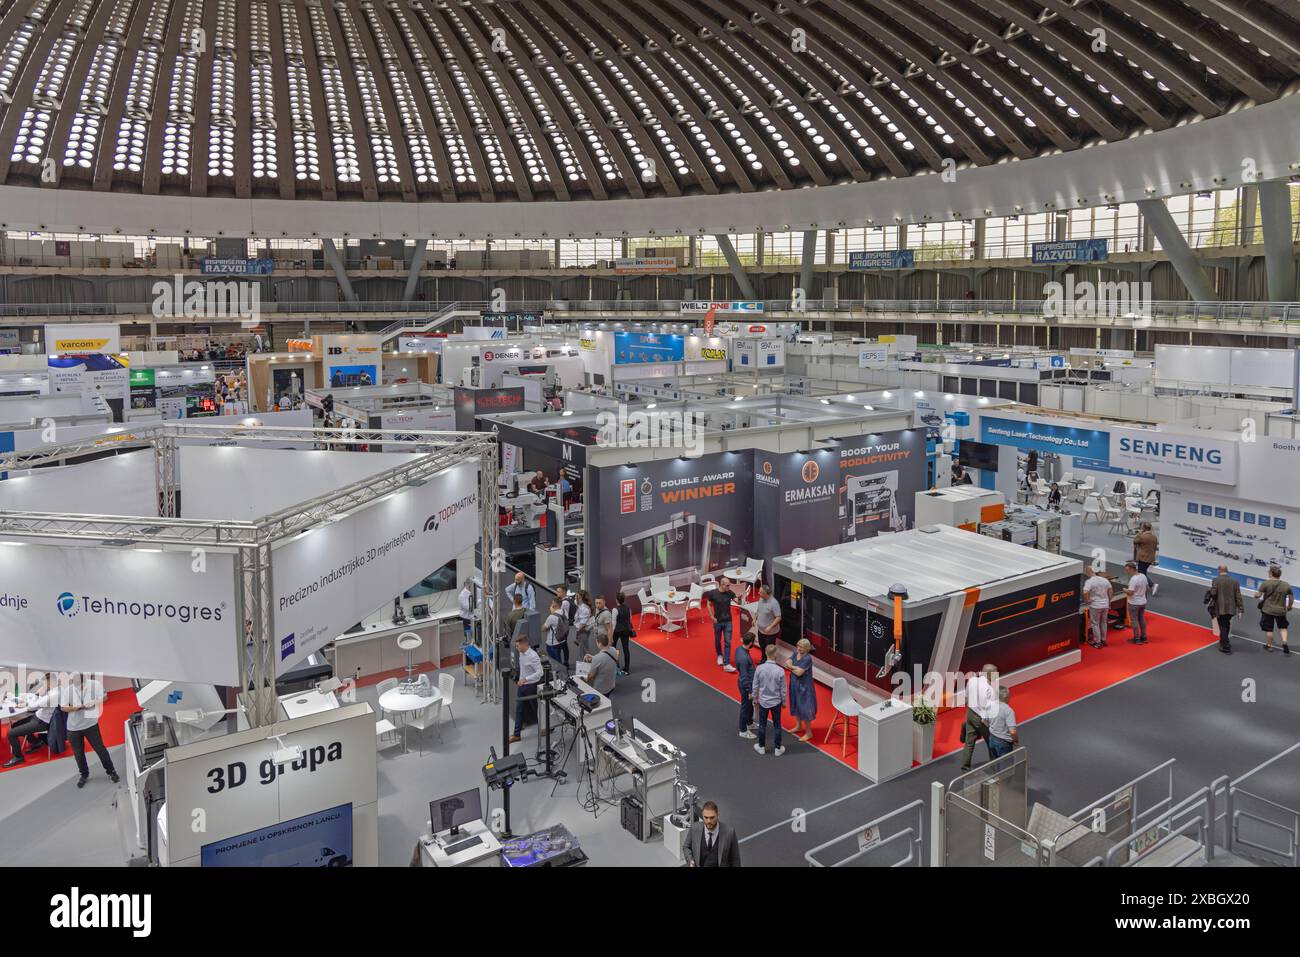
{"x": 455, "y": 810}
{"x": 323, "y": 839}
{"x": 977, "y": 455}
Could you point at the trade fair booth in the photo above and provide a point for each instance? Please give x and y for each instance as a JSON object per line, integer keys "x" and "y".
{"x": 227, "y": 557}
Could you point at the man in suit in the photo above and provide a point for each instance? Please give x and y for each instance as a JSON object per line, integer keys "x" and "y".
{"x": 710, "y": 843}
{"x": 1227, "y": 604}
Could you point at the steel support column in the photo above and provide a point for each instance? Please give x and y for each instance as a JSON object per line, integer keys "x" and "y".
{"x": 807, "y": 261}
{"x": 1279, "y": 263}
{"x": 492, "y": 565}
{"x": 336, "y": 263}
{"x": 413, "y": 270}
{"x": 737, "y": 270}
{"x": 1189, "y": 270}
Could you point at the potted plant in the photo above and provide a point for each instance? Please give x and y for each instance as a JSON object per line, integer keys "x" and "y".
{"x": 923, "y": 720}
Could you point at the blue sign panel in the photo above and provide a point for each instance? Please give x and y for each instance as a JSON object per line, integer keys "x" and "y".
{"x": 634, "y": 347}
{"x": 1063, "y": 440}
{"x": 882, "y": 259}
{"x": 237, "y": 267}
{"x": 1072, "y": 251}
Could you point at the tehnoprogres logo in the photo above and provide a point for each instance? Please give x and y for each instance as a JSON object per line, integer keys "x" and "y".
{"x": 67, "y": 604}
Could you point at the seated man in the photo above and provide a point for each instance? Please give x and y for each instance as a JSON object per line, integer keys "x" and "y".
{"x": 37, "y": 723}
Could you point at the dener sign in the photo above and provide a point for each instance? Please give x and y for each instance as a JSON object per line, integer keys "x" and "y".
{"x": 1204, "y": 458}
{"x": 331, "y": 577}
{"x": 120, "y": 611}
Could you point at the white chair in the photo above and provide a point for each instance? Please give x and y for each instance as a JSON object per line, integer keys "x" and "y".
{"x": 1112, "y": 513}
{"x": 1135, "y": 488}
{"x": 648, "y": 606}
{"x": 1087, "y": 488}
{"x": 675, "y": 617}
{"x": 1092, "y": 506}
{"x": 388, "y": 684}
{"x": 707, "y": 580}
{"x": 422, "y": 720}
{"x": 447, "y": 687}
{"x": 846, "y": 709}
{"x": 1041, "y": 492}
{"x": 659, "y": 584}
{"x": 384, "y": 727}
{"x": 755, "y": 567}
{"x": 1067, "y": 478}
{"x": 694, "y": 598}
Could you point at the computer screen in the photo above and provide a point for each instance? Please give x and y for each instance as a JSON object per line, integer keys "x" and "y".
{"x": 451, "y": 812}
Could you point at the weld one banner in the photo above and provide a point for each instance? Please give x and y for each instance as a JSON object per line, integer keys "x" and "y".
{"x": 1204, "y": 458}
{"x": 332, "y": 577}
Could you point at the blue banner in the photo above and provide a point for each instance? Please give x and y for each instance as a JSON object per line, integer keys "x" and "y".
{"x": 1063, "y": 440}
{"x": 634, "y": 347}
{"x": 237, "y": 267}
{"x": 1072, "y": 251}
{"x": 882, "y": 259}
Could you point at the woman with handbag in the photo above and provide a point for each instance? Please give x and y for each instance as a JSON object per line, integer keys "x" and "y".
{"x": 623, "y": 633}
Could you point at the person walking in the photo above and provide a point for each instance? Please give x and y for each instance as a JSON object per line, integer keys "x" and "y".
{"x": 1226, "y": 603}
{"x": 720, "y": 600}
{"x": 1137, "y": 590}
{"x": 803, "y": 693}
{"x": 1097, "y": 593}
{"x": 623, "y": 631}
{"x": 769, "y": 694}
{"x": 529, "y": 672}
{"x": 1145, "y": 547}
{"x": 1275, "y": 601}
{"x": 709, "y": 842}
{"x": 981, "y": 705}
{"x": 745, "y": 668}
{"x": 1003, "y": 736}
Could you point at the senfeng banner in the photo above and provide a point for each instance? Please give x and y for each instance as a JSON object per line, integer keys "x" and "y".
{"x": 331, "y": 577}
{"x": 120, "y": 611}
{"x": 1190, "y": 456}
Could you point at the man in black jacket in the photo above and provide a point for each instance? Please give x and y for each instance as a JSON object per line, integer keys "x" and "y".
{"x": 710, "y": 843}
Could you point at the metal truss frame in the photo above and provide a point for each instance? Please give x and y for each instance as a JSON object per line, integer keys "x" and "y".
{"x": 252, "y": 542}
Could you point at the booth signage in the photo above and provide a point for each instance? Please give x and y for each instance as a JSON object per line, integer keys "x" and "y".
{"x": 644, "y": 347}
{"x": 471, "y": 403}
{"x": 332, "y": 576}
{"x": 1043, "y": 437}
{"x": 83, "y": 338}
{"x": 645, "y": 265}
{"x": 1071, "y": 251}
{"x": 120, "y": 611}
{"x": 882, "y": 259}
{"x": 237, "y": 267}
{"x": 299, "y": 345}
{"x": 1197, "y": 457}
{"x": 872, "y": 356}
{"x": 720, "y": 308}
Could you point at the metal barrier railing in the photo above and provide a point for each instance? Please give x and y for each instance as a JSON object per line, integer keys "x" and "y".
{"x": 871, "y": 840}
{"x": 1249, "y": 819}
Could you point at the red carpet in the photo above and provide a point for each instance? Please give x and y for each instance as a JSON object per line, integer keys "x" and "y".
{"x": 117, "y": 706}
{"x": 1101, "y": 667}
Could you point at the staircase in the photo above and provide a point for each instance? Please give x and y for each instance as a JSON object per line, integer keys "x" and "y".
{"x": 419, "y": 324}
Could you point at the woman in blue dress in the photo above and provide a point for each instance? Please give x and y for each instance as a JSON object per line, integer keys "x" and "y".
{"x": 803, "y": 695}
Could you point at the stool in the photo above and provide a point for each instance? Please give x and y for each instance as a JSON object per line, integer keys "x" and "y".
{"x": 408, "y": 641}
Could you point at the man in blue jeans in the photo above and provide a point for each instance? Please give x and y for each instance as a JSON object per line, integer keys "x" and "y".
{"x": 720, "y": 600}
{"x": 745, "y": 684}
{"x": 770, "y": 690}
{"x": 1003, "y": 736}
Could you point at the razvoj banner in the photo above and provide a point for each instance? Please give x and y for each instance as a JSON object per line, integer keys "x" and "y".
{"x": 120, "y": 611}
{"x": 882, "y": 259}
{"x": 82, "y": 338}
{"x": 721, "y": 308}
{"x": 678, "y": 518}
{"x": 1190, "y": 456}
{"x": 236, "y": 267}
{"x": 329, "y": 578}
{"x": 1071, "y": 251}
{"x": 1200, "y": 531}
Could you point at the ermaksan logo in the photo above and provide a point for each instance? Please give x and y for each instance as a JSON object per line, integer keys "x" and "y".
{"x": 810, "y": 472}
{"x": 767, "y": 468}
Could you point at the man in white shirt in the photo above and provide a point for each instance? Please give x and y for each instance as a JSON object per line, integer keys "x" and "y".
{"x": 42, "y": 707}
{"x": 522, "y": 586}
{"x": 83, "y": 701}
{"x": 1097, "y": 593}
{"x": 530, "y": 673}
{"x": 981, "y": 705}
{"x": 1137, "y": 589}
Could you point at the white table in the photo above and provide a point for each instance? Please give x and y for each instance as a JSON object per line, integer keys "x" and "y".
{"x": 308, "y": 702}
{"x": 404, "y": 704}
{"x": 483, "y": 854}
{"x": 743, "y": 575}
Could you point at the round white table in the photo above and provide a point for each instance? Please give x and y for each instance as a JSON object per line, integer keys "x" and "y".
{"x": 663, "y": 599}
{"x": 742, "y": 576}
{"x": 403, "y": 704}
